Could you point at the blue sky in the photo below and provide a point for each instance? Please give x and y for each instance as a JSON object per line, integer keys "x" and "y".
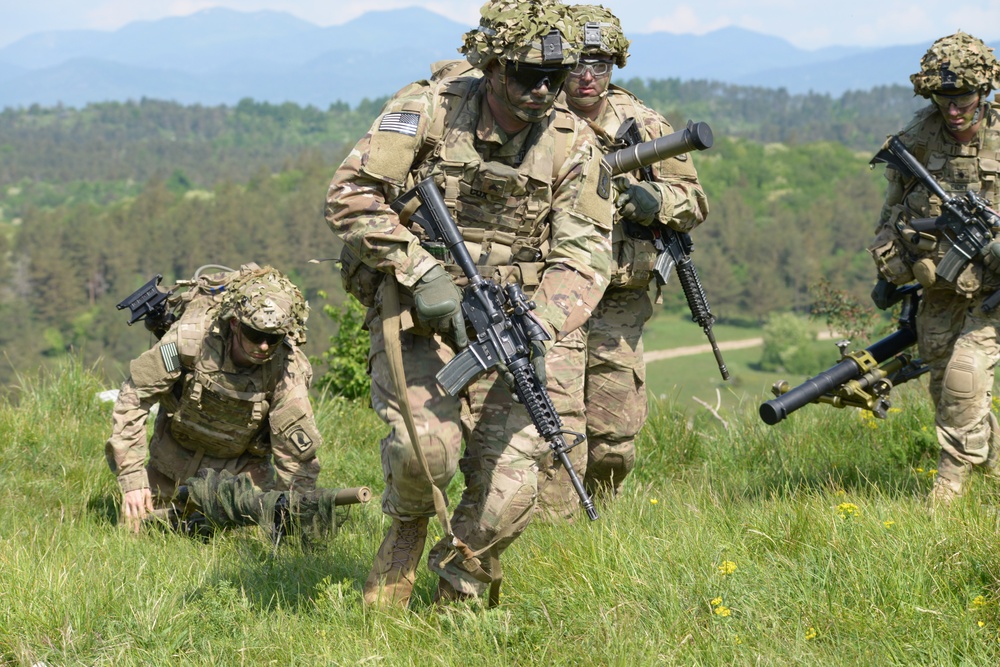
{"x": 805, "y": 23}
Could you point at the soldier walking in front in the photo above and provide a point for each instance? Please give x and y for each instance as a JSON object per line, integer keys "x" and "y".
{"x": 523, "y": 179}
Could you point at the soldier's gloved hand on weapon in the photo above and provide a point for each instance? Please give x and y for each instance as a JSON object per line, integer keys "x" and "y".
{"x": 637, "y": 202}
{"x": 991, "y": 256}
{"x": 438, "y": 301}
{"x": 536, "y": 350}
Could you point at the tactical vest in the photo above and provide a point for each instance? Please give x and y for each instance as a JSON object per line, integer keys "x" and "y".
{"x": 959, "y": 168}
{"x": 500, "y": 209}
{"x": 214, "y": 412}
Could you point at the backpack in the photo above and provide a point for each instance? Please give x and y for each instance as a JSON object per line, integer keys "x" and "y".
{"x": 158, "y": 309}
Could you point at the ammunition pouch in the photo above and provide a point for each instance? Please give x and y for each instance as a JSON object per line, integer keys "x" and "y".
{"x": 893, "y": 258}
{"x": 634, "y": 254}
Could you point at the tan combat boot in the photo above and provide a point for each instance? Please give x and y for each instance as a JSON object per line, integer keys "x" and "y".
{"x": 950, "y": 481}
{"x": 391, "y": 580}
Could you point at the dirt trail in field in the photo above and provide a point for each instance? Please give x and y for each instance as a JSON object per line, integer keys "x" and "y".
{"x": 672, "y": 353}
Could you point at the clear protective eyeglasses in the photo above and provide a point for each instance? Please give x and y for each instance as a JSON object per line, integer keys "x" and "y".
{"x": 596, "y": 67}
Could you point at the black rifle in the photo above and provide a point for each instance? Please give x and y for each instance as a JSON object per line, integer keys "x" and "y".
{"x": 505, "y": 328}
{"x": 967, "y": 222}
{"x": 861, "y": 379}
{"x": 673, "y": 248}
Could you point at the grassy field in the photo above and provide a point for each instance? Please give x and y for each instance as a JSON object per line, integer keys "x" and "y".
{"x": 809, "y": 543}
{"x": 681, "y": 379}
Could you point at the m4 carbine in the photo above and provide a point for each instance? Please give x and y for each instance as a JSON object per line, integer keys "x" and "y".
{"x": 673, "y": 248}
{"x": 505, "y": 328}
{"x": 967, "y": 221}
{"x": 861, "y": 379}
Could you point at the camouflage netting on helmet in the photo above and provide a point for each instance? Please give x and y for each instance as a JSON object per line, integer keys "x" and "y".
{"x": 267, "y": 301}
{"x": 612, "y": 39}
{"x": 956, "y": 63}
{"x": 514, "y": 29}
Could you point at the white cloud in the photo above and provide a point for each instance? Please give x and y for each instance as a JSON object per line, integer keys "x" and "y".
{"x": 683, "y": 19}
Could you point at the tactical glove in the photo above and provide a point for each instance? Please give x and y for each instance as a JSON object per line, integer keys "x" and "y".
{"x": 638, "y": 202}
{"x": 439, "y": 304}
{"x": 991, "y": 256}
{"x": 538, "y": 349}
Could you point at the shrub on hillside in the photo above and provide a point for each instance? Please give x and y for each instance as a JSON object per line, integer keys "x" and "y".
{"x": 346, "y": 360}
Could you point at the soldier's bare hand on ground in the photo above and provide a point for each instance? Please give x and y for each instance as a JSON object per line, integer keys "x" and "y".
{"x": 136, "y": 505}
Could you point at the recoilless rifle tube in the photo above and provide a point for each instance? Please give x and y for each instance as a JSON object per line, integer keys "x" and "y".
{"x": 696, "y": 136}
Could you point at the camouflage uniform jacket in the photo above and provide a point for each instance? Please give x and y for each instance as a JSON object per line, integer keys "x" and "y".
{"x": 208, "y": 403}
{"x": 958, "y": 168}
{"x": 685, "y": 205}
{"x": 533, "y": 205}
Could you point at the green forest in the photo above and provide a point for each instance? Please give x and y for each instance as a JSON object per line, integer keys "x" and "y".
{"x": 95, "y": 201}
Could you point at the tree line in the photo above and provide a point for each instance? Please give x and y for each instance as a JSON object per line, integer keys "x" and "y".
{"x": 96, "y": 201}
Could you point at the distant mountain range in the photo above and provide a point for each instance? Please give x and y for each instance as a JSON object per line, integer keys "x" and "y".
{"x": 219, "y": 56}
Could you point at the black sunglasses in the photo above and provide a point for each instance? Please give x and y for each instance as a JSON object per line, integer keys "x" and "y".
{"x": 258, "y": 337}
{"x": 530, "y": 77}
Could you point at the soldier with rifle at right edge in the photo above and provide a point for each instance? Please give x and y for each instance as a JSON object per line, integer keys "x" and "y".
{"x": 957, "y": 139}
{"x": 657, "y": 206}
{"x": 937, "y": 228}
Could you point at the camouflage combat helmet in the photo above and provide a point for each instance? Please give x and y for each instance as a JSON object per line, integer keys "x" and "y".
{"x": 267, "y": 301}
{"x": 957, "y": 63}
{"x": 600, "y": 32}
{"x": 535, "y": 32}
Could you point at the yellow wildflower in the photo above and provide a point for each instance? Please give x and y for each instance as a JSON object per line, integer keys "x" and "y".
{"x": 982, "y": 623}
{"x": 847, "y": 509}
{"x": 979, "y": 601}
{"x": 919, "y": 471}
{"x": 888, "y": 523}
{"x": 738, "y": 640}
{"x": 722, "y": 610}
{"x": 726, "y": 567}
{"x": 653, "y": 501}
{"x": 716, "y": 602}
{"x": 811, "y": 633}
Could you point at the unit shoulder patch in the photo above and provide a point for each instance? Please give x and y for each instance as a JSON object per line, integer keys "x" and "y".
{"x": 301, "y": 439}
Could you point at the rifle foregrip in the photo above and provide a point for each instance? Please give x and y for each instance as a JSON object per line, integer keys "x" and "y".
{"x": 543, "y": 415}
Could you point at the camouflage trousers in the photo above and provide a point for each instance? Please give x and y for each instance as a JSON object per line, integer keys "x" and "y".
{"x": 960, "y": 345}
{"x": 500, "y": 459}
{"x": 615, "y": 403}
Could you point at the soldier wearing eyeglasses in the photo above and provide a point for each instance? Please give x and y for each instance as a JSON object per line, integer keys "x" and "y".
{"x": 232, "y": 388}
{"x": 524, "y": 180}
{"x": 669, "y": 194}
{"x": 957, "y": 138}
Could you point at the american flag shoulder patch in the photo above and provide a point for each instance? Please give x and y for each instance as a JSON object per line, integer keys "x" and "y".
{"x": 403, "y": 122}
{"x": 171, "y": 360}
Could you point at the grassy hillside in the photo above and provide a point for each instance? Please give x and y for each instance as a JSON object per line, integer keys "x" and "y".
{"x": 806, "y": 543}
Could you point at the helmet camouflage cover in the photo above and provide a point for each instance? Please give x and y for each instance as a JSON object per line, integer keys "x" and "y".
{"x": 267, "y": 301}
{"x": 535, "y": 32}
{"x": 958, "y": 62}
{"x": 600, "y": 32}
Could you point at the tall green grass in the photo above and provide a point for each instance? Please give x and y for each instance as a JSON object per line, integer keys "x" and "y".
{"x": 808, "y": 543}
